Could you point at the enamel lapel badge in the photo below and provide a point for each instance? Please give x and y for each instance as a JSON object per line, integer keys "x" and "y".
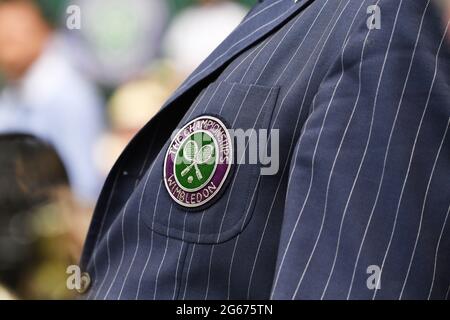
{"x": 198, "y": 162}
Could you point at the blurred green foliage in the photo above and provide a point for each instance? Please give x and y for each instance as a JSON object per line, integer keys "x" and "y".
{"x": 52, "y": 10}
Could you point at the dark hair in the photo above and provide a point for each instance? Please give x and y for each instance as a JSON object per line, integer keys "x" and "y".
{"x": 29, "y": 169}
{"x": 30, "y": 172}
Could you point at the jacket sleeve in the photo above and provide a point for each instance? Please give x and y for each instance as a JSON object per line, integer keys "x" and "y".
{"x": 368, "y": 196}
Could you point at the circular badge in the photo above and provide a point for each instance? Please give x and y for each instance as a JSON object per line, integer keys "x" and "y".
{"x": 198, "y": 162}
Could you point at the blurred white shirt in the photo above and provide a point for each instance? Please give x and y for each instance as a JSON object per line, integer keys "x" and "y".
{"x": 55, "y": 103}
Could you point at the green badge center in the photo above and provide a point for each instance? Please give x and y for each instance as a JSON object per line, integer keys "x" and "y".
{"x": 195, "y": 162}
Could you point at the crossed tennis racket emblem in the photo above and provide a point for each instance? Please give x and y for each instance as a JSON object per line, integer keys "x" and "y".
{"x": 196, "y": 157}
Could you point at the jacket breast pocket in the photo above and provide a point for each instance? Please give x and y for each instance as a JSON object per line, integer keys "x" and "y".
{"x": 245, "y": 110}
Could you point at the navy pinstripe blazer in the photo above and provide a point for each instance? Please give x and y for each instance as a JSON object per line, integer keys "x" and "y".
{"x": 364, "y": 180}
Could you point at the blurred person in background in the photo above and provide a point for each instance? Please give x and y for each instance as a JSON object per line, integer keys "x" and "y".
{"x": 46, "y": 96}
{"x": 196, "y": 31}
{"x": 118, "y": 39}
{"x": 41, "y": 226}
{"x": 130, "y": 106}
{"x": 5, "y": 294}
{"x": 445, "y": 5}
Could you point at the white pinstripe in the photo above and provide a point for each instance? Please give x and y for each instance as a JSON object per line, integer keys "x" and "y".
{"x": 278, "y": 46}
{"x": 151, "y": 243}
{"x": 423, "y": 211}
{"x": 221, "y": 224}
{"x": 259, "y": 177}
{"x": 138, "y": 235}
{"x": 411, "y": 158}
{"x": 199, "y": 234}
{"x": 297, "y": 123}
{"x": 179, "y": 257}
{"x": 123, "y": 236}
{"x": 100, "y": 233}
{"x": 369, "y": 138}
{"x": 198, "y": 239}
{"x": 220, "y": 112}
{"x": 139, "y": 217}
{"x": 437, "y": 250}
{"x": 299, "y": 47}
{"x": 291, "y": 87}
{"x": 188, "y": 272}
{"x": 123, "y": 213}
{"x": 296, "y": 149}
{"x": 123, "y": 252}
{"x": 298, "y": 119}
{"x": 243, "y": 155}
{"x": 108, "y": 207}
{"x": 234, "y": 180}
{"x": 123, "y": 239}
{"x": 239, "y": 235}
{"x": 342, "y": 140}
{"x": 259, "y": 12}
{"x": 107, "y": 269}
{"x": 231, "y": 189}
{"x": 209, "y": 271}
{"x": 165, "y": 252}
{"x": 386, "y": 156}
{"x": 204, "y": 211}
{"x": 223, "y": 105}
{"x": 156, "y": 203}
{"x": 209, "y": 101}
{"x": 256, "y": 48}
{"x": 310, "y": 182}
{"x": 251, "y": 64}
{"x": 254, "y": 192}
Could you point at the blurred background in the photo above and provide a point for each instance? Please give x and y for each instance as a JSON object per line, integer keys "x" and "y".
{"x": 78, "y": 78}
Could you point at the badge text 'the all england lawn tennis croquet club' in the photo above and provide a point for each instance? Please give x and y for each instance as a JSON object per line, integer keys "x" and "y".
{"x": 198, "y": 162}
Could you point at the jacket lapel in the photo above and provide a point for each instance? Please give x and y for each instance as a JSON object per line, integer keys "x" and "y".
{"x": 266, "y": 17}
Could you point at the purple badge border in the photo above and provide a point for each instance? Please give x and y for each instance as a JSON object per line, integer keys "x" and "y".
{"x": 220, "y": 175}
